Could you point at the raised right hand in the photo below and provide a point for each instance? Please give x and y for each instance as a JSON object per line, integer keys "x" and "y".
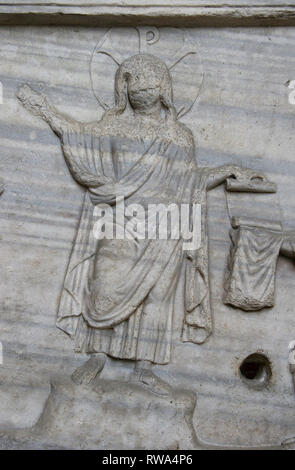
{"x": 31, "y": 100}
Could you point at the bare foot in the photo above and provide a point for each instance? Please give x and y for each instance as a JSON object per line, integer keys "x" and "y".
{"x": 153, "y": 383}
{"x": 88, "y": 371}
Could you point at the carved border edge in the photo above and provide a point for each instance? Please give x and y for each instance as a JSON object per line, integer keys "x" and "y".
{"x": 178, "y": 15}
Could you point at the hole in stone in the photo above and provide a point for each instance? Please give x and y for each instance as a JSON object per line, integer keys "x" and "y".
{"x": 255, "y": 370}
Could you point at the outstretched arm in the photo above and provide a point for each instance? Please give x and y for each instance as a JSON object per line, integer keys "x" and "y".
{"x": 39, "y": 105}
{"x": 218, "y": 175}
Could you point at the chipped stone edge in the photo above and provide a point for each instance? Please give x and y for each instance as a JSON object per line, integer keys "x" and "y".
{"x": 102, "y": 15}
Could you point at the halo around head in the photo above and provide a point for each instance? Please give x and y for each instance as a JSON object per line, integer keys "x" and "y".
{"x": 169, "y": 44}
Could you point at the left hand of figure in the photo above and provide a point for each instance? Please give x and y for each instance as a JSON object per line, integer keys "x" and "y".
{"x": 247, "y": 174}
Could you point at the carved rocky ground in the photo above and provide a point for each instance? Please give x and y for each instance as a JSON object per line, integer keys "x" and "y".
{"x": 108, "y": 415}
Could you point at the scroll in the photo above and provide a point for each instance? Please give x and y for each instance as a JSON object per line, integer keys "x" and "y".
{"x": 250, "y": 186}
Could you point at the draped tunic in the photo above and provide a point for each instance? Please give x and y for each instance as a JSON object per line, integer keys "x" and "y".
{"x": 119, "y": 295}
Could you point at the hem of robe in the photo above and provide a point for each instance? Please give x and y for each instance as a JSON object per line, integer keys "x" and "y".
{"x": 124, "y": 357}
{"x": 89, "y": 340}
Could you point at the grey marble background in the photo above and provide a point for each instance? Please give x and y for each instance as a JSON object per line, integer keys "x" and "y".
{"x": 242, "y": 116}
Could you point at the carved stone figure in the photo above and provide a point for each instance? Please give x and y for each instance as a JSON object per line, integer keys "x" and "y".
{"x": 118, "y": 295}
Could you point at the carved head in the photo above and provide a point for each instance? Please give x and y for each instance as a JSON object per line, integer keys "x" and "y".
{"x": 143, "y": 80}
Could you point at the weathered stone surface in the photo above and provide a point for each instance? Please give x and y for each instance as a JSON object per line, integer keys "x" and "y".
{"x": 109, "y": 415}
{"x": 242, "y": 117}
{"x": 159, "y": 12}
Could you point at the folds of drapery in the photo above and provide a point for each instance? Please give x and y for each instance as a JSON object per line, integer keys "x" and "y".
{"x": 82, "y": 150}
{"x": 250, "y": 281}
{"x": 197, "y": 326}
{"x": 78, "y": 271}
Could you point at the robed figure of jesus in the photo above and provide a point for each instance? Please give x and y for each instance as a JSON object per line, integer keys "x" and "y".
{"x": 118, "y": 297}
